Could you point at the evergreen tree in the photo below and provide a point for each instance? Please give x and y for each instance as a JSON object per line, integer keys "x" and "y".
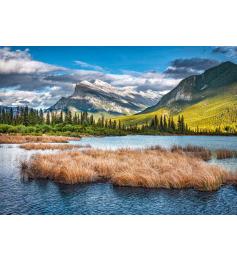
{"x": 165, "y": 123}
{"x": 61, "y": 117}
{"x": 161, "y": 123}
{"x": 172, "y": 124}
{"x": 41, "y": 117}
{"x": 156, "y": 122}
{"x": 26, "y": 116}
{"x": 48, "y": 118}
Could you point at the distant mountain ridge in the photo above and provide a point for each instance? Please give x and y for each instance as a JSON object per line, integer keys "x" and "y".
{"x": 206, "y": 101}
{"x": 101, "y": 97}
{"x": 198, "y": 87}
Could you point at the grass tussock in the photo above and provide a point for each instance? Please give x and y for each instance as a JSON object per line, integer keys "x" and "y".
{"x": 194, "y": 151}
{"x": 224, "y": 153}
{"x": 20, "y": 139}
{"x": 136, "y": 168}
{"x": 45, "y": 146}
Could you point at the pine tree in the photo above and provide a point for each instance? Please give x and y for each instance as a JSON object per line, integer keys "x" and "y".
{"x": 172, "y": 124}
{"x": 156, "y": 122}
{"x": 102, "y": 121}
{"x": 165, "y": 123}
{"x": 161, "y": 123}
{"x": 182, "y": 124}
{"x": 61, "y": 117}
{"x": 26, "y": 116}
{"x": 152, "y": 123}
{"x": 11, "y": 116}
{"x": 179, "y": 124}
{"x": 41, "y": 117}
{"x": 48, "y": 118}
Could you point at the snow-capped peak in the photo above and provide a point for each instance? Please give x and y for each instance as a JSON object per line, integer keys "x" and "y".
{"x": 101, "y": 83}
{"x": 85, "y": 82}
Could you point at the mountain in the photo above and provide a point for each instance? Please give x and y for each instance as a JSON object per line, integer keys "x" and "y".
{"x": 198, "y": 87}
{"x": 101, "y": 97}
{"x": 207, "y": 100}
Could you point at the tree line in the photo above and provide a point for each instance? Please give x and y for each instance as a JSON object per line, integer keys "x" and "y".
{"x": 30, "y": 117}
{"x": 159, "y": 124}
{"x": 167, "y": 124}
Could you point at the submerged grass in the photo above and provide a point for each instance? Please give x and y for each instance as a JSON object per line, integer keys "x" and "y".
{"x": 195, "y": 151}
{"x": 151, "y": 168}
{"x": 20, "y": 139}
{"x": 45, "y": 146}
{"x": 224, "y": 153}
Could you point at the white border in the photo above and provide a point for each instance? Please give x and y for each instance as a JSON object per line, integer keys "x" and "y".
{"x": 118, "y": 238}
{"x": 124, "y": 22}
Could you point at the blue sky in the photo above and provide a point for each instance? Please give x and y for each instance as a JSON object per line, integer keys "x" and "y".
{"x": 117, "y": 59}
{"x": 39, "y": 76}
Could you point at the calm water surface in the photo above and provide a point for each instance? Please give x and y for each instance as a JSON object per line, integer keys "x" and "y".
{"x": 18, "y": 196}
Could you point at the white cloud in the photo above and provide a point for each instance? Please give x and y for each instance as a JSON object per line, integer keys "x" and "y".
{"x": 20, "y": 62}
{"x": 154, "y": 81}
{"x": 44, "y": 99}
{"x": 88, "y": 66}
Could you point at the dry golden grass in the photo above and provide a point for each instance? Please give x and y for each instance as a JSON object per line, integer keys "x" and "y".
{"x": 195, "y": 151}
{"x": 20, "y": 139}
{"x": 224, "y": 153}
{"x": 45, "y": 146}
{"x": 149, "y": 168}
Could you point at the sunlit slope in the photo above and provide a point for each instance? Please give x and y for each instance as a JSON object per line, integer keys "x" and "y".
{"x": 220, "y": 110}
{"x": 141, "y": 118}
{"x": 214, "y": 111}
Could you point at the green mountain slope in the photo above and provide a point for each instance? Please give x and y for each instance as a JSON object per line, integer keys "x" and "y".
{"x": 207, "y": 101}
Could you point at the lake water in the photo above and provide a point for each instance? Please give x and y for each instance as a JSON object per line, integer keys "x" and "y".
{"x": 18, "y": 196}
{"x": 140, "y": 141}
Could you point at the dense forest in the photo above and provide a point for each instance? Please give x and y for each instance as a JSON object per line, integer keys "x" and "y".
{"x": 29, "y": 120}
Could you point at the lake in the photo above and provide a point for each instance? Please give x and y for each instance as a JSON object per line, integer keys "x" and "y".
{"x": 19, "y": 196}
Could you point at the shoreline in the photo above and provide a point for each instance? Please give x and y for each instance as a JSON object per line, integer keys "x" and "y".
{"x": 12, "y": 138}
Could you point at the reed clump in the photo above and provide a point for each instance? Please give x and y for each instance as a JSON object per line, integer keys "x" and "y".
{"x": 224, "y": 153}
{"x": 195, "y": 151}
{"x": 45, "y": 146}
{"x": 20, "y": 139}
{"x": 151, "y": 168}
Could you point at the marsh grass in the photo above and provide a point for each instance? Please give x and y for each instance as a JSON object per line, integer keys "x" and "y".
{"x": 45, "y": 146}
{"x": 151, "y": 168}
{"x": 224, "y": 153}
{"x": 195, "y": 151}
{"x": 20, "y": 139}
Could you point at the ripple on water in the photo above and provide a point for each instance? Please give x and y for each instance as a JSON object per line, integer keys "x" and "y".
{"x": 20, "y": 196}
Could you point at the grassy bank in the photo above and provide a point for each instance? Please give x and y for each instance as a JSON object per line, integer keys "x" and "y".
{"x": 151, "y": 168}
{"x": 45, "y": 146}
{"x": 20, "y": 139}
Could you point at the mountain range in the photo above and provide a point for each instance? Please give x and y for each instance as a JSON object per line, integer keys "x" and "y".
{"x": 102, "y": 98}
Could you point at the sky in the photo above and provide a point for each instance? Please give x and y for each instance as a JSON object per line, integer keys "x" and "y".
{"x": 40, "y": 76}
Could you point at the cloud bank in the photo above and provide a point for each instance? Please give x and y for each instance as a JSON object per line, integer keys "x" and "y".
{"x": 181, "y": 68}
{"x": 20, "y": 62}
{"x": 229, "y": 51}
